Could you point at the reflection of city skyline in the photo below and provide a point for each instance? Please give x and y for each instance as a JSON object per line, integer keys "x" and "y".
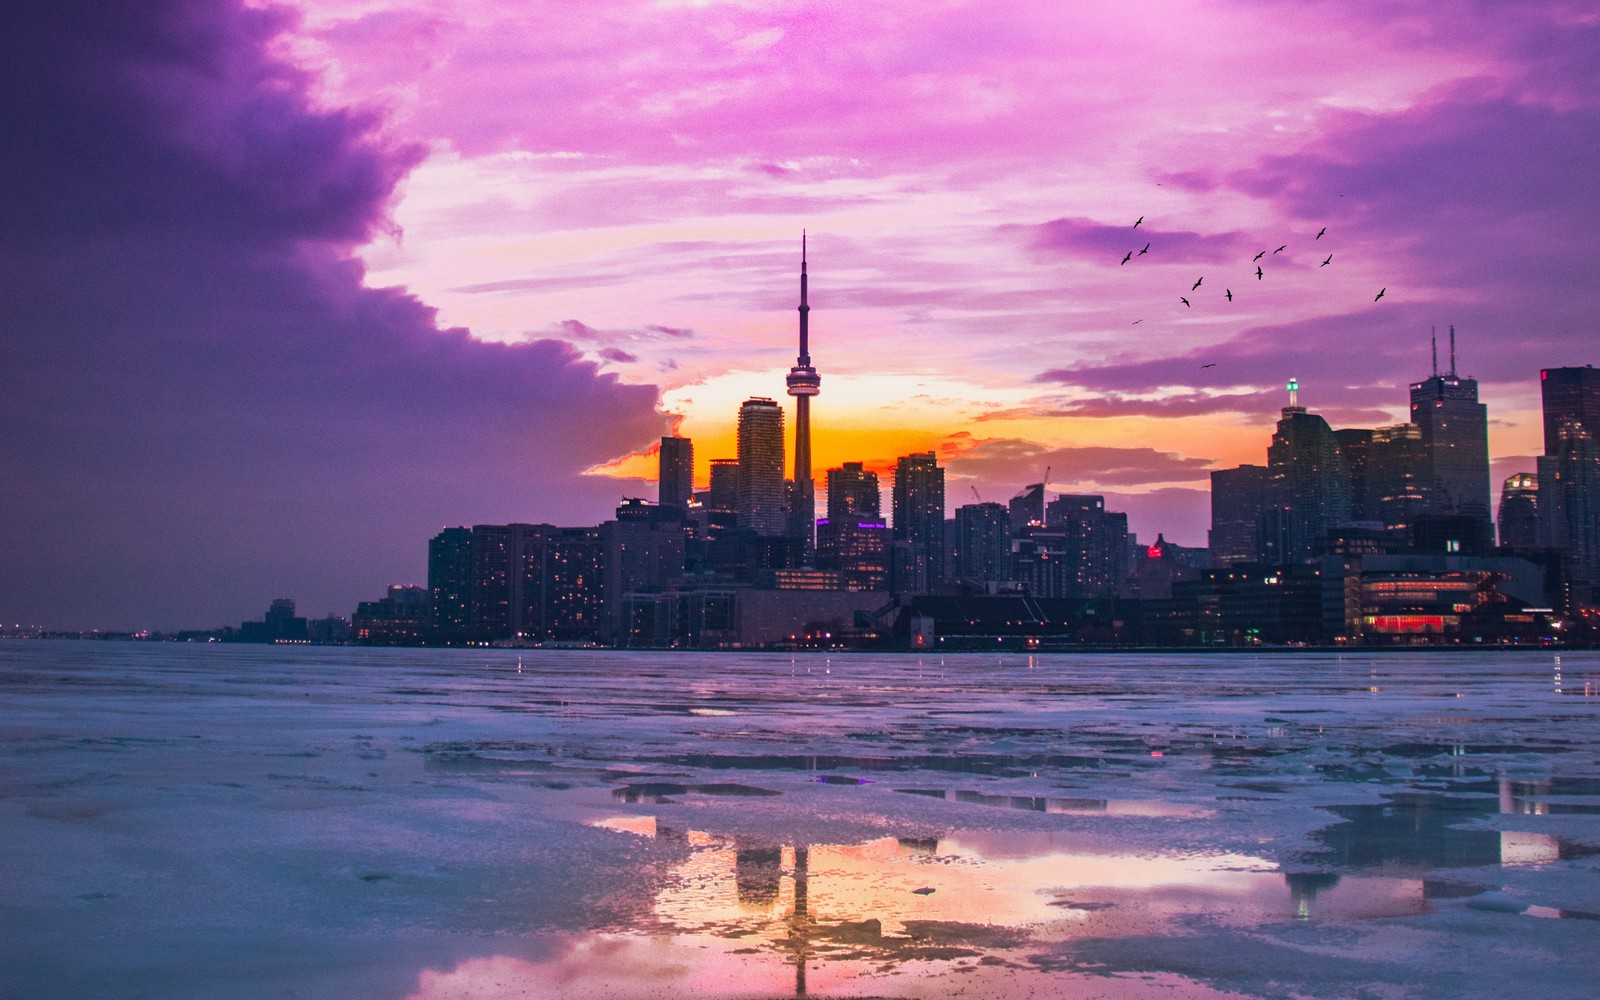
{"x": 915, "y": 902}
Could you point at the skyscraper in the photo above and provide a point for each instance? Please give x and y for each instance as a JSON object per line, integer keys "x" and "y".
{"x": 1569, "y": 505}
{"x": 676, "y": 483}
{"x": 1238, "y": 498}
{"x": 1027, "y": 509}
{"x": 1093, "y": 544}
{"x": 723, "y": 492}
{"x": 853, "y": 492}
{"x": 853, "y": 538}
{"x": 1569, "y": 394}
{"x": 1310, "y": 486}
{"x": 760, "y": 502}
{"x": 918, "y": 495}
{"x": 1394, "y": 483}
{"x": 983, "y": 543}
{"x": 1354, "y": 444}
{"x": 1569, "y": 476}
{"x": 804, "y": 382}
{"x": 450, "y": 584}
{"x": 1455, "y": 440}
{"x": 1519, "y": 511}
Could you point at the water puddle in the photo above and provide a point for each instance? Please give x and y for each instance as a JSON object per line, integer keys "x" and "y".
{"x": 1421, "y": 831}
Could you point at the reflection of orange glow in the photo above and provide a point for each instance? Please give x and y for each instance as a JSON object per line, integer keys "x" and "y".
{"x": 742, "y": 919}
{"x": 643, "y": 826}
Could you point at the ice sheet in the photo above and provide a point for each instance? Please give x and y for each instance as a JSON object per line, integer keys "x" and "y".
{"x": 241, "y": 822}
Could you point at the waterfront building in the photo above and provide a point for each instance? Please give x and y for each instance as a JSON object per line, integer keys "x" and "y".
{"x": 450, "y": 584}
{"x": 400, "y": 618}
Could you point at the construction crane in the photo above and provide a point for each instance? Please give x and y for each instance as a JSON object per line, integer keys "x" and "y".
{"x": 975, "y": 492}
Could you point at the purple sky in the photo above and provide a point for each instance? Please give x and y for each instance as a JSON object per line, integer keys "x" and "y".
{"x": 287, "y": 289}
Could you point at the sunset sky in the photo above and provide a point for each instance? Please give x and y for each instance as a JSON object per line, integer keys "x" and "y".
{"x": 287, "y": 288}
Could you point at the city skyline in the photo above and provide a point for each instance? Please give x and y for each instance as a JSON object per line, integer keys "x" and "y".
{"x": 290, "y": 288}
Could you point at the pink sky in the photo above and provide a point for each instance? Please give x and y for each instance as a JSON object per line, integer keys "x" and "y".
{"x": 633, "y": 177}
{"x": 289, "y": 289}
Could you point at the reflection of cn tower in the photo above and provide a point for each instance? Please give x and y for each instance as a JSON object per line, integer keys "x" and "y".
{"x": 804, "y": 382}
{"x": 800, "y": 921}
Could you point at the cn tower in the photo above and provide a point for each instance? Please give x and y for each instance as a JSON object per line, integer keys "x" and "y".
{"x": 804, "y": 382}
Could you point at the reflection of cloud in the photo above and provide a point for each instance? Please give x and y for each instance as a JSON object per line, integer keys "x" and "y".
{"x": 625, "y": 967}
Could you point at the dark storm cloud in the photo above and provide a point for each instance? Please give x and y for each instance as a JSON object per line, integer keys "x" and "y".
{"x": 204, "y": 408}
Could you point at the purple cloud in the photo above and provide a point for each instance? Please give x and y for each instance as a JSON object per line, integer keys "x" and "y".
{"x": 1016, "y": 462}
{"x": 205, "y": 408}
{"x": 1098, "y": 241}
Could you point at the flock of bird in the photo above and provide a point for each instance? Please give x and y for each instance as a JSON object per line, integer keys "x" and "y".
{"x": 1227, "y": 293}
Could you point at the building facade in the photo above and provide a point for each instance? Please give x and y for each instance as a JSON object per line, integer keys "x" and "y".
{"x": 918, "y": 503}
{"x": 760, "y": 491}
{"x": 676, "y": 479}
{"x": 1309, "y": 486}
{"x": 1455, "y": 439}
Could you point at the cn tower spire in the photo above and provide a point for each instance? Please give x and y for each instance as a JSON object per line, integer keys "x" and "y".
{"x": 804, "y": 360}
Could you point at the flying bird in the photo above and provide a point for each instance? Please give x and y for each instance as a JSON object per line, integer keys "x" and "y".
{"x": 1380, "y": 293}
{"x": 1211, "y": 365}
{"x": 1320, "y": 232}
{"x": 1145, "y": 250}
{"x": 1186, "y": 301}
{"x": 1197, "y": 283}
{"x": 1128, "y": 257}
{"x": 1258, "y": 256}
{"x": 1326, "y": 262}
{"x": 1136, "y": 322}
{"x": 1229, "y": 293}
{"x": 1258, "y": 272}
{"x": 1136, "y": 224}
{"x": 1284, "y": 247}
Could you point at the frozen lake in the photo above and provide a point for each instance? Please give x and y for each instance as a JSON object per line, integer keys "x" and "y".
{"x": 268, "y": 822}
